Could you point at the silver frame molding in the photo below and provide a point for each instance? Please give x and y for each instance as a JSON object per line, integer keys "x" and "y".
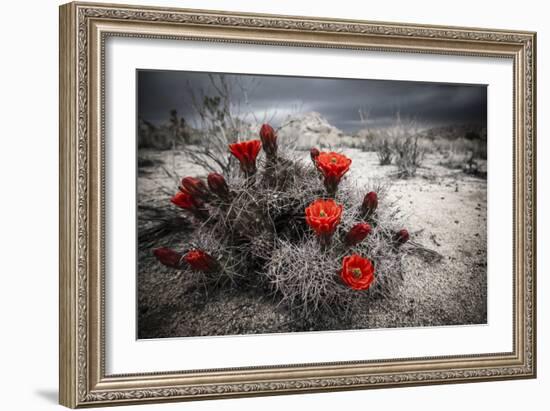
{"x": 83, "y": 30}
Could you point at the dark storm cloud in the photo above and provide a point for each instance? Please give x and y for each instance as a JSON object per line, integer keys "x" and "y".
{"x": 339, "y": 100}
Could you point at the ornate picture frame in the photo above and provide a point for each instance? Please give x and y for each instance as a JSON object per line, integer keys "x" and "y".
{"x": 84, "y": 28}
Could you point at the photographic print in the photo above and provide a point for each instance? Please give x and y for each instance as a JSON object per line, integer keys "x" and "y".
{"x": 276, "y": 204}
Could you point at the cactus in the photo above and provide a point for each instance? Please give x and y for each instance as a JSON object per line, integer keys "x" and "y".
{"x": 294, "y": 227}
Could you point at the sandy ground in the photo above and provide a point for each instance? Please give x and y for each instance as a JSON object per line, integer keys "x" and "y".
{"x": 446, "y": 212}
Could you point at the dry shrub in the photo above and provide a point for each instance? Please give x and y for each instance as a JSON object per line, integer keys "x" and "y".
{"x": 409, "y": 155}
{"x": 402, "y": 144}
{"x": 223, "y": 115}
{"x": 384, "y": 152}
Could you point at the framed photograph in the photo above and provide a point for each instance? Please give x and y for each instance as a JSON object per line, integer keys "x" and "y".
{"x": 260, "y": 204}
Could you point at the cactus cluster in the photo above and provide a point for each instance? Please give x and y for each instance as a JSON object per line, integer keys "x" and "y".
{"x": 293, "y": 227}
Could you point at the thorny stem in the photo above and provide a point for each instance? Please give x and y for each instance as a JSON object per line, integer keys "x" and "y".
{"x": 324, "y": 241}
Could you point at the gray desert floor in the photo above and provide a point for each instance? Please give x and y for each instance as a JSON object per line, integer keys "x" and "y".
{"x": 446, "y": 212}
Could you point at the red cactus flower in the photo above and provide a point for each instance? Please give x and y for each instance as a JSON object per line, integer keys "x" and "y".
{"x": 168, "y": 257}
{"x": 357, "y": 272}
{"x": 246, "y": 152}
{"x": 218, "y": 185}
{"x": 188, "y": 202}
{"x": 199, "y": 260}
{"x": 370, "y": 204}
{"x": 333, "y": 166}
{"x": 323, "y": 216}
{"x": 195, "y": 187}
{"x": 402, "y": 236}
{"x": 269, "y": 140}
{"x": 357, "y": 233}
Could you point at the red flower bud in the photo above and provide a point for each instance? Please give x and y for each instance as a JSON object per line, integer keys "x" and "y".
{"x": 168, "y": 257}
{"x": 333, "y": 166}
{"x": 269, "y": 140}
{"x": 357, "y": 233}
{"x": 370, "y": 204}
{"x": 199, "y": 260}
{"x": 314, "y": 153}
{"x": 195, "y": 187}
{"x": 217, "y": 184}
{"x": 357, "y": 272}
{"x": 188, "y": 202}
{"x": 246, "y": 152}
{"x": 184, "y": 200}
{"x": 402, "y": 236}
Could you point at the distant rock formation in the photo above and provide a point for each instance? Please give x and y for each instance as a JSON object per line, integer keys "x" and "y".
{"x": 311, "y": 129}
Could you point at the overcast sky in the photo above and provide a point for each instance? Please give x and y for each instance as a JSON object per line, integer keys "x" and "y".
{"x": 338, "y": 100}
